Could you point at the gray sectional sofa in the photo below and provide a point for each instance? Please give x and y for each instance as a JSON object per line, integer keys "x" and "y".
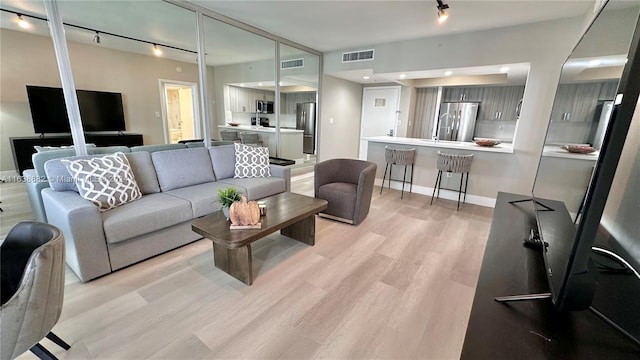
{"x": 177, "y": 186}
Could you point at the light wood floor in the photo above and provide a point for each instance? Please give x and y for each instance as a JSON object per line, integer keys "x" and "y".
{"x": 400, "y": 285}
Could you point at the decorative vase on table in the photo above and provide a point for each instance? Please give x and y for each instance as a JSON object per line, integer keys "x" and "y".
{"x": 225, "y": 211}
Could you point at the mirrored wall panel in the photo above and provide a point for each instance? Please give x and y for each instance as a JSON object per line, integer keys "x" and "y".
{"x": 583, "y": 104}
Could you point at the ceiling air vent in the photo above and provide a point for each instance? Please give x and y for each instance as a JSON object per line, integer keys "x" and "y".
{"x": 360, "y": 55}
{"x": 291, "y": 64}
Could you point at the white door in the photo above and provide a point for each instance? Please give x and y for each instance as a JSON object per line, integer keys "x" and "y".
{"x": 380, "y": 108}
{"x": 179, "y": 102}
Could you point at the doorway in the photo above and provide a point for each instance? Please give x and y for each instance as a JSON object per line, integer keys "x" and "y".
{"x": 380, "y": 108}
{"x": 179, "y": 111}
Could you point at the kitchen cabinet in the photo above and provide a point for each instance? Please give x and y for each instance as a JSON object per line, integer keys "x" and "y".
{"x": 576, "y": 102}
{"x": 500, "y": 102}
{"x": 244, "y": 99}
{"x": 288, "y": 101}
{"x": 608, "y": 90}
{"x": 462, "y": 93}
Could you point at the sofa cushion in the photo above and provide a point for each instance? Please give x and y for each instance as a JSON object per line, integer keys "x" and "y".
{"x": 158, "y": 147}
{"x": 341, "y": 197}
{"x": 144, "y": 172}
{"x": 223, "y": 159}
{"x": 203, "y": 197}
{"x": 106, "y": 181}
{"x": 59, "y": 177}
{"x": 251, "y": 161}
{"x": 258, "y": 188}
{"x": 184, "y": 167}
{"x": 150, "y": 213}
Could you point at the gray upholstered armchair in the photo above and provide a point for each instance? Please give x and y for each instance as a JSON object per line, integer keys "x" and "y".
{"x": 347, "y": 184}
{"x": 32, "y": 263}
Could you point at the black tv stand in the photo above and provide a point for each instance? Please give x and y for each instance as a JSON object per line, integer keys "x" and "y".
{"x": 531, "y": 329}
{"x": 23, "y": 147}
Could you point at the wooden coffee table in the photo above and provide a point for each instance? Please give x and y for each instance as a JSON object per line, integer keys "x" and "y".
{"x": 292, "y": 214}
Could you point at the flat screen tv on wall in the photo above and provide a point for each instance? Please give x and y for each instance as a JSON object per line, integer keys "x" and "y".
{"x": 99, "y": 110}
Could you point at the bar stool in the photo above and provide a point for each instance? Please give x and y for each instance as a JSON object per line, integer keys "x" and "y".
{"x": 395, "y": 156}
{"x": 459, "y": 164}
{"x": 228, "y": 135}
{"x": 250, "y": 139}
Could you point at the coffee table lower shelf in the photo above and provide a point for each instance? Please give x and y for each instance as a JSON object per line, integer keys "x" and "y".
{"x": 292, "y": 214}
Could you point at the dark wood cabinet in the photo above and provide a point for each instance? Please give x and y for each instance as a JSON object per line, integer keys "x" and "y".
{"x": 23, "y": 147}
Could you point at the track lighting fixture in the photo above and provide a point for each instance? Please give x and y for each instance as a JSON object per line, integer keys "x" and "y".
{"x": 96, "y": 38}
{"x": 443, "y": 15}
{"x": 22, "y": 22}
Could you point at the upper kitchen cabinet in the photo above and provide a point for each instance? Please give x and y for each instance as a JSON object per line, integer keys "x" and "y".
{"x": 243, "y": 100}
{"x": 501, "y": 103}
{"x": 578, "y": 102}
{"x": 462, "y": 94}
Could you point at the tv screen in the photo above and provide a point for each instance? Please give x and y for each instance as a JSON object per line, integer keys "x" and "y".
{"x": 99, "y": 110}
{"x": 578, "y": 177}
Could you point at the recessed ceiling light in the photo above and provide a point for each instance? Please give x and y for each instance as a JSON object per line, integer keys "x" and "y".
{"x": 594, "y": 62}
{"x": 259, "y": 84}
{"x": 241, "y": 85}
{"x": 402, "y": 76}
{"x": 366, "y": 77}
{"x": 448, "y": 73}
{"x": 504, "y": 69}
{"x": 280, "y": 83}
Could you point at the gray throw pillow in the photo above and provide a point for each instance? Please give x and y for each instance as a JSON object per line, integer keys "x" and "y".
{"x": 106, "y": 181}
{"x": 251, "y": 161}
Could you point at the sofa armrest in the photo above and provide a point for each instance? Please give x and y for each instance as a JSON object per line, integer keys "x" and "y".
{"x": 81, "y": 224}
{"x": 282, "y": 172}
{"x": 34, "y": 186}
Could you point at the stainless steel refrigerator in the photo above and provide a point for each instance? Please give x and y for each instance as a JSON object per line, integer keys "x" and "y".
{"x": 599, "y": 126}
{"x": 457, "y": 121}
{"x": 306, "y": 120}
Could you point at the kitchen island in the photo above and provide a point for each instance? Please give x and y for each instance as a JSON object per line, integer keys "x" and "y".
{"x": 488, "y": 173}
{"x": 290, "y": 140}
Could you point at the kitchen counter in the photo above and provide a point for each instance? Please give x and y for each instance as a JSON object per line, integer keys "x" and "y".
{"x": 501, "y": 148}
{"x": 260, "y": 129}
{"x": 556, "y": 151}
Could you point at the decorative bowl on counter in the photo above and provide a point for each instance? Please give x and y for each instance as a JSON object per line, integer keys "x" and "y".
{"x": 578, "y": 149}
{"x": 233, "y": 124}
{"x": 487, "y": 142}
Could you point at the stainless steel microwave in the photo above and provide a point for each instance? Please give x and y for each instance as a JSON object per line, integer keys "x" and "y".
{"x": 264, "y": 107}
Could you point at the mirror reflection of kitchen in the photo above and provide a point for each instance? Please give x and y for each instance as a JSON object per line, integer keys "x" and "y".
{"x": 583, "y": 104}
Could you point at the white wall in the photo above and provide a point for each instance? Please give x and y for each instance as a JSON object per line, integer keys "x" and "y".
{"x": 342, "y": 102}
{"x": 30, "y": 59}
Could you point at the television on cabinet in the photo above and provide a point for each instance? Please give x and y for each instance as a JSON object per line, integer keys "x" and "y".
{"x": 99, "y": 110}
{"x": 572, "y": 172}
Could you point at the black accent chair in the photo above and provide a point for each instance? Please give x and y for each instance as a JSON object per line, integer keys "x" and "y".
{"x": 32, "y": 259}
{"x": 347, "y": 184}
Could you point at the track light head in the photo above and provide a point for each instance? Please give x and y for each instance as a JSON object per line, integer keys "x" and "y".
{"x": 442, "y": 11}
{"x": 96, "y": 38}
{"x": 156, "y": 50}
{"x": 22, "y": 22}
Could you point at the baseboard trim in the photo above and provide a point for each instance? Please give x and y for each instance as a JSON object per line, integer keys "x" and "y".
{"x": 444, "y": 194}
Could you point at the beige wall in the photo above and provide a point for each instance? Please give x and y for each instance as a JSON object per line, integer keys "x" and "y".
{"x": 30, "y": 59}
{"x": 342, "y": 102}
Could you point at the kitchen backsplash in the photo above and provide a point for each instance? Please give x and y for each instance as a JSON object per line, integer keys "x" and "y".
{"x": 568, "y": 133}
{"x": 495, "y": 129}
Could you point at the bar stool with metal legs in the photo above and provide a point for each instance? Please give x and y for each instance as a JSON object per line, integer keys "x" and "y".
{"x": 395, "y": 156}
{"x": 458, "y": 164}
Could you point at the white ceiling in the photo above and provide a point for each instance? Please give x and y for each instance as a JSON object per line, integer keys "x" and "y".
{"x": 322, "y": 25}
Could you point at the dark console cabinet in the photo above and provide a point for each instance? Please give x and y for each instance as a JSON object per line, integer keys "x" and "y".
{"x": 534, "y": 329}
{"x": 23, "y": 147}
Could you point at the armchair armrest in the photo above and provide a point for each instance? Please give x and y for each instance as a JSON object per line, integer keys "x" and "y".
{"x": 364, "y": 192}
{"x": 282, "y": 172}
{"x": 81, "y": 224}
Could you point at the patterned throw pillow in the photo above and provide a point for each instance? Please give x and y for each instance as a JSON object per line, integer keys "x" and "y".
{"x": 106, "y": 181}
{"x": 251, "y": 161}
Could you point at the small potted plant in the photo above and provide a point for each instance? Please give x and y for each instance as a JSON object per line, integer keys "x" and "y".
{"x": 226, "y": 197}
